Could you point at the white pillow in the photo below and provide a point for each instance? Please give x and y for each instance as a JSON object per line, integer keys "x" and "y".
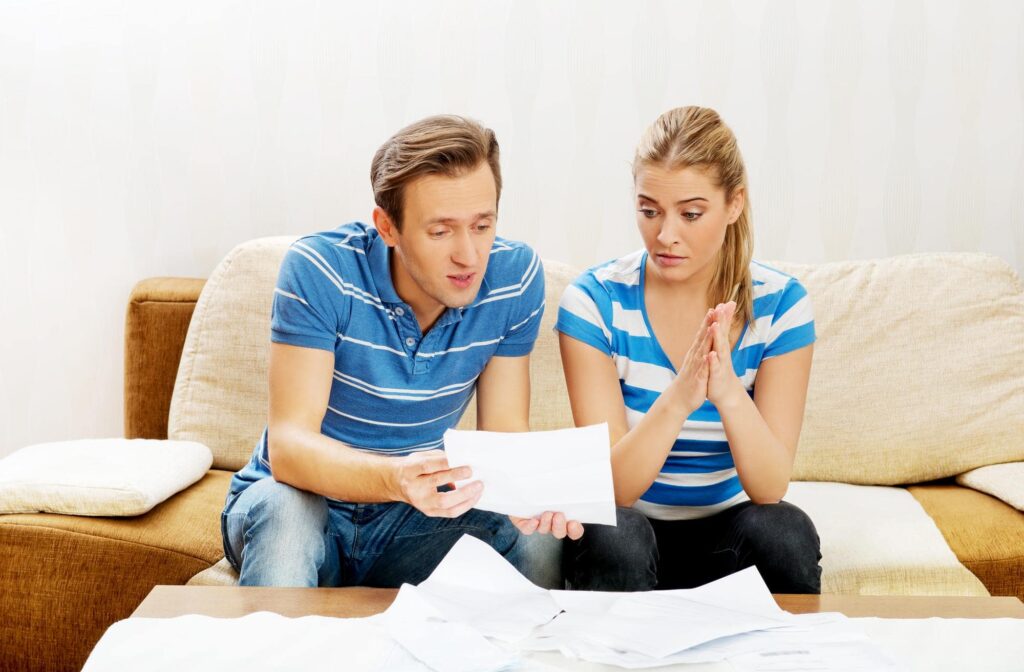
{"x": 1002, "y": 481}
{"x": 99, "y": 477}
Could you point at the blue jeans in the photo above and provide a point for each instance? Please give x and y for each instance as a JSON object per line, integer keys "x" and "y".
{"x": 277, "y": 535}
{"x": 644, "y": 554}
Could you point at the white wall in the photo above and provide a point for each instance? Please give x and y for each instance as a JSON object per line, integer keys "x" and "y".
{"x": 147, "y": 138}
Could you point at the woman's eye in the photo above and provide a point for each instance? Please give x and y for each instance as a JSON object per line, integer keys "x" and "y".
{"x": 691, "y": 216}
{"x": 648, "y": 213}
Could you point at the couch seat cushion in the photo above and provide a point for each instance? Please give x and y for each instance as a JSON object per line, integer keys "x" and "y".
{"x": 986, "y": 534}
{"x": 880, "y": 541}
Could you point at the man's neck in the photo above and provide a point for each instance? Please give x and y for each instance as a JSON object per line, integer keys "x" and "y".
{"x": 425, "y": 308}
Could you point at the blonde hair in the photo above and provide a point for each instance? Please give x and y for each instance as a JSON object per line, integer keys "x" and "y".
{"x": 697, "y": 137}
{"x": 441, "y": 145}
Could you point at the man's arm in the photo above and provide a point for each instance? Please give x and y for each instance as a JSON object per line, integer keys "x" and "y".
{"x": 503, "y": 405}
{"x": 301, "y": 456}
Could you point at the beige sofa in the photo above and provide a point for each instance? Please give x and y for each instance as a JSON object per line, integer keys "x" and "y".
{"x": 917, "y": 378}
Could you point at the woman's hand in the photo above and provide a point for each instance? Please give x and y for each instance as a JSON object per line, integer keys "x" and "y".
{"x": 689, "y": 389}
{"x": 723, "y": 385}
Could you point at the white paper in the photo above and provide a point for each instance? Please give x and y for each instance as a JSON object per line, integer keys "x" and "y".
{"x": 527, "y": 473}
{"x": 476, "y": 586}
{"x": 442, "y": 645}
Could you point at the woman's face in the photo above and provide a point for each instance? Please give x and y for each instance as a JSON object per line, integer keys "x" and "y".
{"x": 683, "y": 215}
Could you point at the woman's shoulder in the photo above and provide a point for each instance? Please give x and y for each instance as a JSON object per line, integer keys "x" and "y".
{"x": 623, "y": 271}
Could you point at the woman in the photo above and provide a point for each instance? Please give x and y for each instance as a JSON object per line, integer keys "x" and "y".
{"x": 697, "y": 358}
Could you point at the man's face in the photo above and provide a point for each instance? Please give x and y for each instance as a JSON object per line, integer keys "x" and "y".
{"x": 448, "y": 228}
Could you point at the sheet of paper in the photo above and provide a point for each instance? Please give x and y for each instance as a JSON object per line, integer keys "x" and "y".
{"x": 527, "y": 473}
{"x": 476, "y": 586}
{"x": 442, "y": 645}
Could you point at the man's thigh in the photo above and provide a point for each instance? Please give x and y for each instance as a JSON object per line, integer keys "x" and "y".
{"x": 417, "y": 543}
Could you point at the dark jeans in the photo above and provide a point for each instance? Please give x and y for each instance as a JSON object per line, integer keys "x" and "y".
{"x": 644, "y": 554}
{"x": 277, "y": 535}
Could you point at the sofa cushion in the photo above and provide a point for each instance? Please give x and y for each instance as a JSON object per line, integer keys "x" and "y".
{"x": 99, "y": 477}
{"x": 67, "y": 578}
{"x": 1003, "y": 481}
{"x": 880, "y": 541}
{"x": 986, "y": 534}
{"x": 916, "y": 368}
{"x": 220, "y": 393}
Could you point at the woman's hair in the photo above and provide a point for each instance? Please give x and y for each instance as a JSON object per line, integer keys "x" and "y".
{"x": 697, "y": 137}
{"x": 446, "y": 145}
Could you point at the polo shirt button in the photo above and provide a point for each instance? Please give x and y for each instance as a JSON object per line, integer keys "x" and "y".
{"x": 399, "y": 311}
{"x": 410, "y": 341}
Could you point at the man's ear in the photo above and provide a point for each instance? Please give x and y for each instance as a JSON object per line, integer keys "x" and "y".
{"x": 385, "y": 226}
{"x": 739, "y": 199}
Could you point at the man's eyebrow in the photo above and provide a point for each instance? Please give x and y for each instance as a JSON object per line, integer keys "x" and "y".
{"x": 447, "y": 220}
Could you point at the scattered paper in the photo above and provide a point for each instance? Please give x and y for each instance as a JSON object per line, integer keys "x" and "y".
{"x": 527, "y": 473}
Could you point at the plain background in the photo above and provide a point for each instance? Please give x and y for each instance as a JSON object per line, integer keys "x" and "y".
{"x": 148, "y": 138}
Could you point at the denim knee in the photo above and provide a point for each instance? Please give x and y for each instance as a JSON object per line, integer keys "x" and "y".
{"x": 620, "y": 558}
{"x": 781, "y": 540}
{"x": 276, "y": 535}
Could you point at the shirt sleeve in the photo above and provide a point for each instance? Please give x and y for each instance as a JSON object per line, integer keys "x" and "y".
{"x": 307, "y": 299}
{"x": 792, "y": 323}
{"x": 580, "y": 316}
{"x": 526, "y": 314}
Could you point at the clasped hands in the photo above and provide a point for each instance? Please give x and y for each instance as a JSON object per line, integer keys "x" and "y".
{"x": 707, "y": 371}
{"x": 419, "y": 476}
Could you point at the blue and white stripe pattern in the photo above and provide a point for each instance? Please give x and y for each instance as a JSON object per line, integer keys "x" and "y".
{"x": 395, "y": 390}
{"x": 605, "y": 309}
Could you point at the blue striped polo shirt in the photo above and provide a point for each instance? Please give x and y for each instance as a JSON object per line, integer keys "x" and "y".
{"x": 605, "y": 309}
{"x": 395, "y": 390}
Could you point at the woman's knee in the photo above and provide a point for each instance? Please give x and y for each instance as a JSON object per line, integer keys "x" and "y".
{"x": 624, "y": 557}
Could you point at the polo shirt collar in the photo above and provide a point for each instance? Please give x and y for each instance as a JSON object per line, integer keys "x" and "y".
{"x": 378, "y": 256}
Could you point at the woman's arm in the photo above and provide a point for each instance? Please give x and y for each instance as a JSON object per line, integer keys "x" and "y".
{"x": 762, "y": 432}
{"x": 595, "y": 397}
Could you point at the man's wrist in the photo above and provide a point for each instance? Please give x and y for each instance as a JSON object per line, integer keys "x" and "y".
{"x": 393, "y": 479}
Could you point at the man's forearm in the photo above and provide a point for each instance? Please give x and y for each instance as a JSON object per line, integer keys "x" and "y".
{"x": 310, "y": 461}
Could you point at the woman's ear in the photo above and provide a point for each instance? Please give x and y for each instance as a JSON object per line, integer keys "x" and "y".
{"x": 739, "y": 199}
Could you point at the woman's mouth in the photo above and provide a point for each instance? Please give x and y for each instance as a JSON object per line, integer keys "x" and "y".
{"x": 669, "y": 259}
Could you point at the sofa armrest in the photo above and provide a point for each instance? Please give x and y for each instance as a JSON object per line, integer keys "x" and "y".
{"x": 159, "y": 311}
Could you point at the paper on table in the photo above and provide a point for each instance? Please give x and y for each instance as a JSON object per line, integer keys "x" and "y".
{"x": 442, "y": 645}
{"x": 527, "y": 473}
{"x": 476, "y": 586}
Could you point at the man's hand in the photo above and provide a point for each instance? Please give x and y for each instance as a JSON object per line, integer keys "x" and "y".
{"x": 419, "y": 475}
{"x": 551, "y": 523}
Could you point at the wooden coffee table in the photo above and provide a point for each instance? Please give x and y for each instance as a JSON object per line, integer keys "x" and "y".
{"x": 230, "y": 602}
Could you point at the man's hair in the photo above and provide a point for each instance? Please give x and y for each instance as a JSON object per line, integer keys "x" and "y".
{"x": 447, "y": 145}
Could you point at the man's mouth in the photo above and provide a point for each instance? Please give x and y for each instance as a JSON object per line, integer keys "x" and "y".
{"x": 462, "y": 281}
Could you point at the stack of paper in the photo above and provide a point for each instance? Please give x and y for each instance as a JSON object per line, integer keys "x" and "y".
{"x": 734, "y": 619}
{"x": 526, "y": 474}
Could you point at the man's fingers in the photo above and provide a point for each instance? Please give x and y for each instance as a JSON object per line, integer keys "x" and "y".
{"x": 574, "y": 528}
{"x": 439, "y": 478}
{"x": 430, "y": 461}
{"x": 455, "y": 503}
{"x": 545, "y": 523}
{"x": 526, "y": 525}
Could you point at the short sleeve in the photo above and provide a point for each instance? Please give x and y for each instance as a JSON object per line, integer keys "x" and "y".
{"x": 792, "y": 325}
{"x": 307, "y": 299}
{"x": 527, "y": 313}
{"x": 579, "y": 315}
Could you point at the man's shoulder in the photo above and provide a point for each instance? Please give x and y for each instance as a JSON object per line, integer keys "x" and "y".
{"x": 340, "y": 249}
{"x": 511, "y": 263}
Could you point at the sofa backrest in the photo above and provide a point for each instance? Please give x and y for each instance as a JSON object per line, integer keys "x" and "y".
{"x": 917, "y": 370}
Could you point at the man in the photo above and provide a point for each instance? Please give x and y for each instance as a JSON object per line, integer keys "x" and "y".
{"x": 379, "y": 338}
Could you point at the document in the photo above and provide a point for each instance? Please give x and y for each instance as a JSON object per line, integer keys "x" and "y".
{"x": 527, "y": 473}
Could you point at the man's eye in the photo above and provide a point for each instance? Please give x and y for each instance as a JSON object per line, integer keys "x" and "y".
{"x": 437, "y": 234}
{"x": 483, "y": 227}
